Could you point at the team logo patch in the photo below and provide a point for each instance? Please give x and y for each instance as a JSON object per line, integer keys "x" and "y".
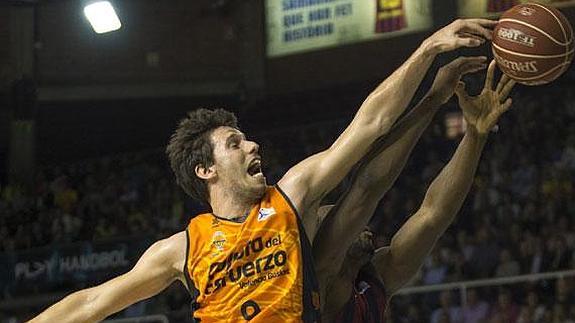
{"x": 219, "y": 240}
{"x": 362, "y": 287}
{"x": 265, "y": 213}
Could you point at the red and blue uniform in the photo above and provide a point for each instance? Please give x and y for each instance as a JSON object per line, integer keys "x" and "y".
{"x": 368, "y": 300}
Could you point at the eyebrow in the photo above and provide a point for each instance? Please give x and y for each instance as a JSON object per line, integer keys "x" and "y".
{"x": 234, "y": 136}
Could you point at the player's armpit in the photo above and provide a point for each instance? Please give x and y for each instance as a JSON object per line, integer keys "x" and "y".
{"x": 158, "y": 267}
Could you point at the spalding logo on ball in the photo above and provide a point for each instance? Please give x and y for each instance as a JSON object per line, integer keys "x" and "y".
{"x": 533, "y": 43}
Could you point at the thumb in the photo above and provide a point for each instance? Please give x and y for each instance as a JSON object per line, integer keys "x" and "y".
{"x": 460, "y": 91}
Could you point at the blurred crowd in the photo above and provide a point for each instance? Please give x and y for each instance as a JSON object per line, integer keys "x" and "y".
{"x": 550, "y": 301}
{"x": 518, "y": 219}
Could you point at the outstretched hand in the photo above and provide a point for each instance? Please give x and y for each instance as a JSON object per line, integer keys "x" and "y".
{"x": 483, "y": 111}
{"x": 461, "y": 33}
{"x": 449, "y": 75}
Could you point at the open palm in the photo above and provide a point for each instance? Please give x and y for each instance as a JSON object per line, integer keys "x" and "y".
{"x": 483, "y": 111}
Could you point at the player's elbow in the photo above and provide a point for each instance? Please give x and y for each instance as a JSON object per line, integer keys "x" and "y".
{"x": 376, "y": 123}
{"x": 76, "y": 307}
{"x": 434, "y": 220}
{"x": 86, "y": 306}
{"x": 385, "y": 108}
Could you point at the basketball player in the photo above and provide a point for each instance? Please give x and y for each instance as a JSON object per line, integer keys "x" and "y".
{"x": 250, "y": 257}
{"x": 358, "y": 287}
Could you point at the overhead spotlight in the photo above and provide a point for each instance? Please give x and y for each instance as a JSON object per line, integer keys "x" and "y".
{"x": 102, "y": 17}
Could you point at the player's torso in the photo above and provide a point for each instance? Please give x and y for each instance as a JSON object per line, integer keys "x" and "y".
{"x": 253, "y": 270}
{"x": 367, "y": 303}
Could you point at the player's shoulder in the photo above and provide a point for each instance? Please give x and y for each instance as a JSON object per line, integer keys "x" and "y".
{"x": 174, "y": 241}
{"x": 171, "y": 249}
{"x": 201, "y": 219}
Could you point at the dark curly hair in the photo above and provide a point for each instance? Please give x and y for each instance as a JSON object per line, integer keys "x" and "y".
{"x": 190, "y": 145}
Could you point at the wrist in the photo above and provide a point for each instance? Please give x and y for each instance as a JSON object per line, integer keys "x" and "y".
{"x": 430, "y": 48}
{"x": 481, "y": 135}
{"x": 434, "y": 98}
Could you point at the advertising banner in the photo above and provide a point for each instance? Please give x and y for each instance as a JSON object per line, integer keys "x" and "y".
{"x": 65, "y": 266}
{"x": 296, "y": 26}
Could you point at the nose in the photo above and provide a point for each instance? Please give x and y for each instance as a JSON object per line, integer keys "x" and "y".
{"x": 252, "y": 147}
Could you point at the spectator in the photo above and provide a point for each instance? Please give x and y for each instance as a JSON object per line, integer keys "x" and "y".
{"x": 435, "y": 269}
{"x": 485, "y": 255}
{"x": 507, "y": 265}
{"x": 534, "y": 308}
{"x": 505, "y": 310}
{"x": 447, "y": 312}
{"x": 476, "y": 310}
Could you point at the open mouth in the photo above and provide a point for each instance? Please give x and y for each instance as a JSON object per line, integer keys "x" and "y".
{"x": 255, "y": 168}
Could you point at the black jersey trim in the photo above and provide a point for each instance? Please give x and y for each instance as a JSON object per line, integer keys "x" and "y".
{"x": 287, "y": 199}
{"x": 310, "y": 313}
{"x": 194, "y": 292}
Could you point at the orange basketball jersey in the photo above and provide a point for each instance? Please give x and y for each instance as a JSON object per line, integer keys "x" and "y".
{"x": 260, "y": 270}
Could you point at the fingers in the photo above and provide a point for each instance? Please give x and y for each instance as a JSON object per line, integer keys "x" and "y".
{"x": 504, "y": 79}
{"x": 463, "y": 64}
{"x": 468, "y": 42}
{"x": 462, "y": 61}
{"x": 461, "y": 92}
{"x": 469, "y": 35}
{"x": 504, "y": 107}
{"x": 472, "y": 65}
{"x": 473, "y": 69}
{"x": 506, "y": 89}
{"x": 488, "y": 23}
{"x": 489, "y": 78}
{"x": 478, "y": 27}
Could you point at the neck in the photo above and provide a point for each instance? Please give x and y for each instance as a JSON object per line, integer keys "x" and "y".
{"x": 227, "y": 205}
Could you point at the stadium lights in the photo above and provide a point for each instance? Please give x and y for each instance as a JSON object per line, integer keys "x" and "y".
{"x": 102, "y": 16}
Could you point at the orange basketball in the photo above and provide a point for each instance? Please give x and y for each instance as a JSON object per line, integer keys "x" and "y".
{"x": 533, "y": 43}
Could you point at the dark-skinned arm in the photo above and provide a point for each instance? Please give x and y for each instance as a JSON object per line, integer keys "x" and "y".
{"x": 386, "y": 159}
{"x": 400, "y": 261}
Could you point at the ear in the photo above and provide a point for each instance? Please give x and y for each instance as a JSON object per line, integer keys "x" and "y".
{"x": 205, "y": 173}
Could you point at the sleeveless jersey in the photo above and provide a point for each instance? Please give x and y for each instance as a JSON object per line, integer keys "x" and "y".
{"x": 260, "y": 270}
{"x": 367, "y": 302}
{"x": 390, "y": 16}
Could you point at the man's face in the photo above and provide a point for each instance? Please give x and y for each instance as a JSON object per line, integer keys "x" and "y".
{"x": 237, "y": 163}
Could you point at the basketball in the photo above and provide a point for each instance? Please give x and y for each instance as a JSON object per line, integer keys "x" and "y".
{"x": 533, "y": 43}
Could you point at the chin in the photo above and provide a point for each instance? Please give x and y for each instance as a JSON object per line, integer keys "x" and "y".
{"x": 254, "y": 188}
{"x": 258, "y": 190}
{"x": 261, "y": 189}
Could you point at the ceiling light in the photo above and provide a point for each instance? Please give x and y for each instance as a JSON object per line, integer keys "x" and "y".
{"x": 102, "y": 17}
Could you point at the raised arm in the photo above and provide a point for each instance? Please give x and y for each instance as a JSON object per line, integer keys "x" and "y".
{"x": 379, "y": 169}
{"x": 415, "y": 239}
{"x": 158, "y": 267}
{"x": 312, "y": 178}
